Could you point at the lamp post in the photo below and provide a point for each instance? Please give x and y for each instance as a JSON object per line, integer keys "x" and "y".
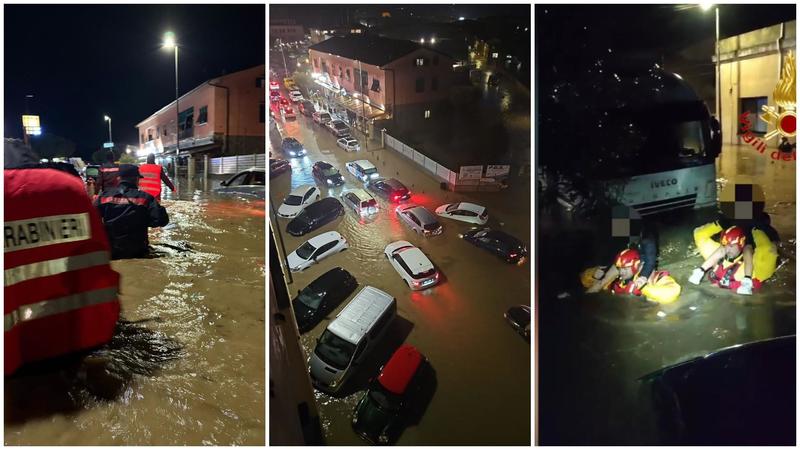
{"x": 170, "y": 43}
{"x": 705, "y": 6}
{"x": 108, "y": 119}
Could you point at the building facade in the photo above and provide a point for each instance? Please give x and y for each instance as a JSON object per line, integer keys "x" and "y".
{"x": 223, "y": 116}
{"x": 374, "y": 78}
{"x": 751, "y": 67}
{"x": 286, "y": 31}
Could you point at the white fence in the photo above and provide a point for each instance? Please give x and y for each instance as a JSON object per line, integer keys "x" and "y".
{"x": 233, "y": 164}
{"x": 436, "y": 169}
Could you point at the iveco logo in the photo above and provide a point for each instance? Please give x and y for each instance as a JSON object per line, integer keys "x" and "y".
{"x": 664, "y": 183}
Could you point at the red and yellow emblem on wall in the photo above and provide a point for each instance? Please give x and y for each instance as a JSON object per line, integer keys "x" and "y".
{"x": 783, "y": 116}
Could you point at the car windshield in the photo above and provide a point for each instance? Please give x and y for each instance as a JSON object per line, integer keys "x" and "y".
{"x": 452, "y": 207}
{"x": 370, "y": 203}
{"x": 340, "y": 125}
{"x": 293, "y": 200}
{"x": 310, "y": 298}
{"x": 330, "y": 172}
{"x": 371, "y": 170}
{"x": 306, "y": 250}
{"x": 481, "y": 234}
{"x": 334, "y": 350}
{"x": 383, "y": 399}
{"x": 325, "y": 116}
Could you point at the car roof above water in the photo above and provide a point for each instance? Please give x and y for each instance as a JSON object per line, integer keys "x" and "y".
{"x": 354, "y": 320}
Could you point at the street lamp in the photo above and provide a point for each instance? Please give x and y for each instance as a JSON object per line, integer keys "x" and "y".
{"x": 108, "y": 119}
{"x": 433, "y": 40}
{"x": 170, "y": 43}
{"x": 705, "y": 6}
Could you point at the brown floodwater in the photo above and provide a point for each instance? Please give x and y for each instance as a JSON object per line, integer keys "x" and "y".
{"x": 189, "y": 369}
{"x": 593, "y": 348}
{"x": 482, "y": 388}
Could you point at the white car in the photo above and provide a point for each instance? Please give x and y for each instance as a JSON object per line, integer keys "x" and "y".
{"x": 412, "y": 265}
{"x": 362, "y": 169}
{"x": 316, "y": 249}
{"x": 296, "y": 96}
{"x": 348, "y": 143}
{"x": 465, "y": 212}
{"x": 298, "y": 199}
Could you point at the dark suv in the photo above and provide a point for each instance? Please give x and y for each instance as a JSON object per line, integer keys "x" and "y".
{"x": 390, "y": 189}
{"x": 507, "y": 247}
{"x": 327, "y": 174}
{"x": 314, "y": 216}
{"x": 322, "y": 296}
{"x": 292, "y": 147}
{"x": 306, "y": 108}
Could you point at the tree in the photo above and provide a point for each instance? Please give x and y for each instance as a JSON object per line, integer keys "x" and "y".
{"x": 126, "y": 159}
{"x": 51, "y": 146}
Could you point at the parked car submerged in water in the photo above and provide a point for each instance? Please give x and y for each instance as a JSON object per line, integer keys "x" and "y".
{"x": 314, "y": 216}
{"x": 322, "y": 296}
{"x": 248, "y": 183}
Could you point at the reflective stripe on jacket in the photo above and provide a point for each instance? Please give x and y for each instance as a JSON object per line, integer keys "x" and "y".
{"x": 60, "y": 290}
{"x": 151, "y": 181}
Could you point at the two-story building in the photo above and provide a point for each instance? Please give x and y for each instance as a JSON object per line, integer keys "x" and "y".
{"x": 375, "y": 78}
{"x": 223, "y": 116}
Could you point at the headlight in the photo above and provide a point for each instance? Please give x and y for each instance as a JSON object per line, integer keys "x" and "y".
{"x": 383, "y": 438}
{"x": 292, "y": 153}
{"x": 329, "y": 181}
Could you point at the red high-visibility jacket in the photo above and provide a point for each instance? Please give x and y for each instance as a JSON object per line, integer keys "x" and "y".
{"x": 153, "y": 175}
{"x": 61, "y": 294}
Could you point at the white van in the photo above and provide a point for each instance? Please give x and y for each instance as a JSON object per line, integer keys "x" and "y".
{"x": 362, "y": 169}
{"x": 350, "y": 337}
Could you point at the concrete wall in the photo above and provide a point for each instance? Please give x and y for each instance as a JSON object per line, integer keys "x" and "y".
{"x": 751, "y": 67}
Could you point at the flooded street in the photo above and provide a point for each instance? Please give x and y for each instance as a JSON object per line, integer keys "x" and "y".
{"x": 200, "y": 301}
{"x": 482, "y": 388}
{"x": 592, "y": 349}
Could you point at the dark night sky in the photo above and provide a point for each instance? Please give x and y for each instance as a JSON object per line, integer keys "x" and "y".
{"x": 84, "y": 61}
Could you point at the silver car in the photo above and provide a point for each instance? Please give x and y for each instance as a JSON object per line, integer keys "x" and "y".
{"x": 419, "y": 219}
{"x": 249, "y": 183}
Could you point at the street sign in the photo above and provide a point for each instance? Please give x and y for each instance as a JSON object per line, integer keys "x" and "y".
{"x": 497, "y": 170}
{"x": 108, "y": 145}
{"x": 470, "y": 173}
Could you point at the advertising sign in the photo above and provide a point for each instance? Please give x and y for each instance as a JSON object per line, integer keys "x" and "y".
{"x": 497, "y": 170}
{"x": 31, "y": 125}
{"x": 470, "y": 173}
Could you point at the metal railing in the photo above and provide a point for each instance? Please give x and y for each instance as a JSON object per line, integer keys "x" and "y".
{"x": 234, "y": 164}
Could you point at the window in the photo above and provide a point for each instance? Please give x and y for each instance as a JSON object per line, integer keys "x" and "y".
{"x": 376, "y": 85}
{"x": 165, "y": 131}
{"x": 260, "y": 82}
{"x": 420, "y": 85}
{"x": 347, "y": 72}
{"x": 202, "y": 117}
{"x": 427, "y": 113}
{"x": 364, "y": 78}
{"x": 316, "y": 63}
{"x": 753, "y": 107}
{"x": 435, "y": 60}
{"x": 262, "y": 113}
{"x": 357, "y": 76}
{"x": 434, "y": 84}
{"x": 340, "y": 72}
{"x": 149, "y": 135}
{"x": 158, "y": 130}
{"x": 419, "y": 62}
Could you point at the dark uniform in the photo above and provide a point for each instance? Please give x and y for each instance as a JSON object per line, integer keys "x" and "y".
{"x": 127, "y": 212}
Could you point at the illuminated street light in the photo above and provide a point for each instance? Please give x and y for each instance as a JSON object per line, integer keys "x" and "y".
{"x": 170, "y": 43}
{"x": 421, "y": 40}
{"x": 433, "y": 40}
{"x": 169, "y": 40}
{"x": 705, "y": 6}
{"x": 108, "y": 119}
{"x": 461, "y": 18}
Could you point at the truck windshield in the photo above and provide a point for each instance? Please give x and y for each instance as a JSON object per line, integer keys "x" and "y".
{"x": 334, "y": 350}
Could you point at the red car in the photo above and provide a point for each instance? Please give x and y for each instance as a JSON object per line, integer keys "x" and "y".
{"x": 288, "y": 113}
{"x": 378, "y": 415}
{"x": 274, "y": 86}
{"x": 284, "y": 102}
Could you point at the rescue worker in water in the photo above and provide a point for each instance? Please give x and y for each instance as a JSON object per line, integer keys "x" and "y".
{"x": 127, "y": 212}
{"x": 152, "y": 176}
{"x": 742, "y": 260}
{"x": 61, "y": 295}
{"x": 629, "y": 276}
